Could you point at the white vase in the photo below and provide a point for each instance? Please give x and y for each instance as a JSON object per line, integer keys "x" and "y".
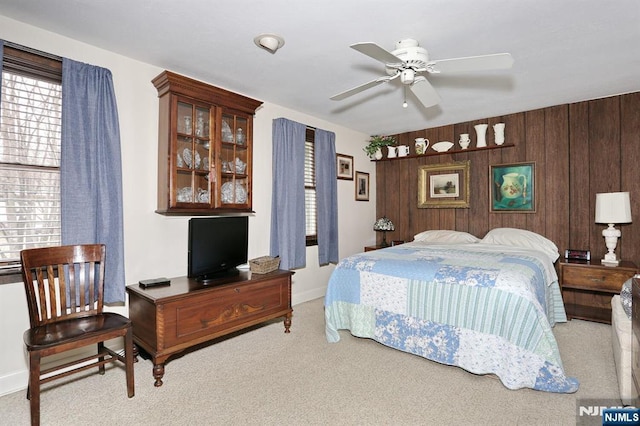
{"x": 464, "y": 140}
{"x": 378, "y": 154}
{"x": 498, "y": 130}
{"x": 481, "y": 133}
{"x": 392, "y": 151}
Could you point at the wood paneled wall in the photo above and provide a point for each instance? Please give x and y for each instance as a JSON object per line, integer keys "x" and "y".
{"x": 579, "y": 150}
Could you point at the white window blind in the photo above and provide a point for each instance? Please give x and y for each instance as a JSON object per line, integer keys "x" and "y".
{"x": 30, "y": 121}
{"x": 310, "y": 187}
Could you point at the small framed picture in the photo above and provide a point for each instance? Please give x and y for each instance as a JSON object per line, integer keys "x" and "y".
{"x": 344, "y": 166}
{"x": 512, "y": 188}
{"x": 362, "y": 186}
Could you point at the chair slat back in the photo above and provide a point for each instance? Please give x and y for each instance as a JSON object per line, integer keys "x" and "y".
{"x": 63, "y": 282}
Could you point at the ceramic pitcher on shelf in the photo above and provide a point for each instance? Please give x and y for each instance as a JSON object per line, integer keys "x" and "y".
{"x": 421, "y": 145}
{"x": 403, "y": 150}
{"x": 392, "y": 151}
{"x": 481, "y": 133}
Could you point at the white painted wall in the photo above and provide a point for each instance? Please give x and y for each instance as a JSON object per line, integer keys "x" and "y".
{"x": 156, "y": 245}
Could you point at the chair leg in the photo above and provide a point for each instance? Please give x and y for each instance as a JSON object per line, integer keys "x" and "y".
{"x": 128, "y": 358}
{"x": 101, "y": 359}
{"x": 33, "y": 392}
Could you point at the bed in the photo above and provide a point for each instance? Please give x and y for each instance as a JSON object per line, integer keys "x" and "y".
{"x": 484, "y": 306}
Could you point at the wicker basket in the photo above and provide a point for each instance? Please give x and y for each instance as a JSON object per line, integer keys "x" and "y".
{"x": 264, "y": 264}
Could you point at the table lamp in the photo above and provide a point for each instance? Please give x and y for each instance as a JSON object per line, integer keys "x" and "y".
{"x": 383, "y": 224}
{"x": 612, "y": 208}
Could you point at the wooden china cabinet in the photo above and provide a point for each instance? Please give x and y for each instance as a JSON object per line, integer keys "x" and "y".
{"x": 205, "y": 147}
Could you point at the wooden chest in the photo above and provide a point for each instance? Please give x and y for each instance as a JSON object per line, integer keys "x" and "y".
{"x": 168, "y": 320}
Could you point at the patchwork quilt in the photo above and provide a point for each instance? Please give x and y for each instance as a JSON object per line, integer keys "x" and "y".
{"x": 486, "y": 308}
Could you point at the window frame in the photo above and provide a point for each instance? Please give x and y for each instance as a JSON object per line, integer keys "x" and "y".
{"x": 34, "y": 64}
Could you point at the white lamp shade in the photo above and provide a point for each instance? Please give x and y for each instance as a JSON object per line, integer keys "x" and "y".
{"x": 613, "y": 207}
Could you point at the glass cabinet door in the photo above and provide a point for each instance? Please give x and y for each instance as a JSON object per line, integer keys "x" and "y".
{"x": 235, "y": 159}
{"x": 193, "y": 143}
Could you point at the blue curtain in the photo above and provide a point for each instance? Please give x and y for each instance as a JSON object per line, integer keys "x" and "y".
{"x": 287, "y": 199}
{"x": 91, "y": 169}
{"x": 327, "y": 196}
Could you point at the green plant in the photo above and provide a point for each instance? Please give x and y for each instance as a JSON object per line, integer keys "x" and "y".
{"x": 376, "y": 142}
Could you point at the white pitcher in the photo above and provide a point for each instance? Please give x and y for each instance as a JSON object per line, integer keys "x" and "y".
{"x": 481, "y": 133}
{"x": 421, "y": 145}
{"x": 498, "y": 130}
{"x": 392, "y": 151}
{"x": 403, "y": 150}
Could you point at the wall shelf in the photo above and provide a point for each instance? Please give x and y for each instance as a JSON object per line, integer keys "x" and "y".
{"x": 456, "y": 151}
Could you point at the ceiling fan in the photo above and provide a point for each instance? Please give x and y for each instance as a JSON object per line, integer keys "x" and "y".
{"x": 408, "y": 61}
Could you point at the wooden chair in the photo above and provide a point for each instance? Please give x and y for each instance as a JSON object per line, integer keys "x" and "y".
{"x": 64, "y": 287}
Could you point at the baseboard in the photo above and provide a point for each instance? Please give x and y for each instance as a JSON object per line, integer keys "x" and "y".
{"x": 308, "y": 295}
{"x": 18, "y": 380}
{"x": 14, "y": 382}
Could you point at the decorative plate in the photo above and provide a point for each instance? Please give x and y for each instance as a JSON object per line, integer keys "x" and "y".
{"x": 196, "y": 163}
{"x": 186, "y": 156}
{"x": 227, "y": 191}
{"x": 227, "y": 135}
{"x": 442, "y": 146}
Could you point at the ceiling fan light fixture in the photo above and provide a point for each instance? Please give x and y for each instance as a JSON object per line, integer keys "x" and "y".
{"x": 407, "y": 76}
{"x": 269, "y": 42}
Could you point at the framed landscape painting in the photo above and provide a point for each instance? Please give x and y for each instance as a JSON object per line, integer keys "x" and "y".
{"x": 444, "y": 185}
{"x": 512, "y": 188}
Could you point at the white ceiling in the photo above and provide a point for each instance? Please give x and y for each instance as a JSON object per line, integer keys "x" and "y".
{"x": 564, "y": 50}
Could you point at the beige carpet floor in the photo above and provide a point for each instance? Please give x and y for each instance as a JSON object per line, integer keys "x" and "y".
{"x": 266, "y": 377}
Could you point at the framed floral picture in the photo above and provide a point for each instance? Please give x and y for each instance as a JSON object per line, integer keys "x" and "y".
{"x": 512, "y": 188}
{"x": 444, "y": 185}
{"x": 344, "y": 166}
{"x": 362, "y": 186}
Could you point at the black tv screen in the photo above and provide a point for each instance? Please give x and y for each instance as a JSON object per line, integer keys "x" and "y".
{"x": 216, "y": 246}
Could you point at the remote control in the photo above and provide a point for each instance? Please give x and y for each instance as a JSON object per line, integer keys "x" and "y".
{"x": 155, "y": 282}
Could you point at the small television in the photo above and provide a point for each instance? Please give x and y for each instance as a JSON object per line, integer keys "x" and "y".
{"x": 216, "y": 246}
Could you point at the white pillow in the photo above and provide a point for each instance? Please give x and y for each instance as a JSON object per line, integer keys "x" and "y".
{"x": 522, "y": 238}
{"x": 445, "y": 237}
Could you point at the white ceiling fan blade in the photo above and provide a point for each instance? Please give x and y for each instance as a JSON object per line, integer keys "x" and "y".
{"x": 361, "y": 88}
{"x": 471, "y": 63}
{"x": 425, "y": 92}
{"x": 376, "y": 52}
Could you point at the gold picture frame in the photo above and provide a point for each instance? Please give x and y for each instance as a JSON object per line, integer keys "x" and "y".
{"x": 444, "y": 185}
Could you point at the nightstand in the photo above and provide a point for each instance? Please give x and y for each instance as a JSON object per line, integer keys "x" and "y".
{"x": 372, "y": 248}
{"x": 587, "y": 288}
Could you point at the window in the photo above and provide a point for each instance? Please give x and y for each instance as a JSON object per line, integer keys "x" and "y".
{"x": 30, "y": 122}
{"x": 310, "y": 207}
